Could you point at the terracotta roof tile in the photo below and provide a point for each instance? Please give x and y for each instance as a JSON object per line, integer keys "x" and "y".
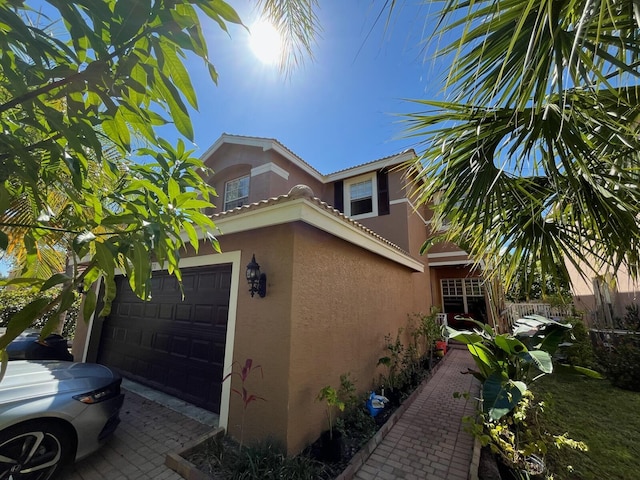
{"x": 285, "y": 198}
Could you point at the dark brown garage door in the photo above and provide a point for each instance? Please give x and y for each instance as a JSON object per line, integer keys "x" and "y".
{"x": 172, "y": 344}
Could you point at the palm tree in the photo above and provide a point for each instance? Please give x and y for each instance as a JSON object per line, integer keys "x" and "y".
{"x": 535, "y": 150}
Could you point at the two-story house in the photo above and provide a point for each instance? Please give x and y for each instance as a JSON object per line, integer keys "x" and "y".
{"x": 341, "y": 257}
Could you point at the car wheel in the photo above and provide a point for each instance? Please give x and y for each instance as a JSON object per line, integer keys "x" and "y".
{"x": 33, "y": 451}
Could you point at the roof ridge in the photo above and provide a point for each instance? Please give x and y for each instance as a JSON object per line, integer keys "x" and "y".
{"x": 275, "y": 140}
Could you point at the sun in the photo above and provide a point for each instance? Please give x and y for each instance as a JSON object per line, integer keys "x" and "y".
{"x": 265, "y": 42}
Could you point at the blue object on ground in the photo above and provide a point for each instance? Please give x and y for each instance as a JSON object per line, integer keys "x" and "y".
{"x": 375, "y": 403}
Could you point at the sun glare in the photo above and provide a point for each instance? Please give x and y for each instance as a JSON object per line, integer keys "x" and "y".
{"x": 265, "y": 42}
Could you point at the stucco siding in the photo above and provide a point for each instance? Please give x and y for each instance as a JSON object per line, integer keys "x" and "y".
{"x": 345, "y": 300}
{"x": 234, "y": 161}
{"x": 263, "y": 332}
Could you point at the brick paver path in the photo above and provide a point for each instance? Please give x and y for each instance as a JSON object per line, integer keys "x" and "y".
{"x": 429, "y": 441}
{"x": 138, "y": 447}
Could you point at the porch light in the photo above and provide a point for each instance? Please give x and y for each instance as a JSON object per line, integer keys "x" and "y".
{"x": 257, "y": 281}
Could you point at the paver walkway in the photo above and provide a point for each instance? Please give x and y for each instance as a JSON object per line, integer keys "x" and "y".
{"x": 137, "y": 449}
{"x": 428, "y": 441}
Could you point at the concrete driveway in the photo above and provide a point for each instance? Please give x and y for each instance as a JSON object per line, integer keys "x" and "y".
{"x": 152, "y": 425}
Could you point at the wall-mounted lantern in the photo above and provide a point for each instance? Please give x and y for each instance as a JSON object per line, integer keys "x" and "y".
{"x": 257, "y": 281}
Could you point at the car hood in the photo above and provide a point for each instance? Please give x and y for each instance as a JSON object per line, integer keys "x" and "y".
{"x": 30, "y": 379}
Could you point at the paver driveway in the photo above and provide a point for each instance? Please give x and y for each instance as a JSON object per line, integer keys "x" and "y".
{"x": 137, "y": 449}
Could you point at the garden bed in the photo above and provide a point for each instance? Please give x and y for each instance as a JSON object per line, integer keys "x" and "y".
{"x": 215, "y": 456}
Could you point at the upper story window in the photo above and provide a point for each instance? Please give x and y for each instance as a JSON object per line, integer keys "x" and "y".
{"x": 236, "y": 193}
{"x": 361, "y": 196}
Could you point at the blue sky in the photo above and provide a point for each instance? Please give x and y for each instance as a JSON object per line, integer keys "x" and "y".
{"x": 337, "y": 111}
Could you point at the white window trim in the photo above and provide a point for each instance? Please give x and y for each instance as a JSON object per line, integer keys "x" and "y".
{"x": 464, "y": 291}
{"x": 374, "y": 195}
{"x": 224, "y": 198}
{"x": 270, "y": 167}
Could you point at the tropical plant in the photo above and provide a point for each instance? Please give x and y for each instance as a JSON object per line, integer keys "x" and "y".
{"x": 527, "y": 286}
{"x": 535, "y": 150}
{"x": 393, "y": 361}
{"x": 329, "y": 396}
{"x": 247, "y": 398}
{"x": 506, "y": 363}
{"x": 426, "y": 332}
{"x": 518, "y": 439}
{"x": 71, "y": 77}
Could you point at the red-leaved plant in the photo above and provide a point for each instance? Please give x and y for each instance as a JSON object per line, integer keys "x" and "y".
{"x": 246, "y": 397}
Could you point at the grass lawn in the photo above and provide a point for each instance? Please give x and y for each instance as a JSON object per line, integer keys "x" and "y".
{"x": 606, "y": 418}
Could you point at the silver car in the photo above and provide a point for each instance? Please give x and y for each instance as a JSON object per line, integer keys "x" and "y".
{"x": 52, "y": 413}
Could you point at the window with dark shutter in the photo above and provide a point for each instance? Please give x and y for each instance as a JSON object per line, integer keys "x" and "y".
{"x": 338, "y": 195}
{"x": 383, "y": 192}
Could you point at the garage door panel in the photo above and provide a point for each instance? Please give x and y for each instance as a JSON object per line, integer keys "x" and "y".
{"x": 183, "y": 313}
{"x": 136, "y": 310}
{"x": 172, "y": 344}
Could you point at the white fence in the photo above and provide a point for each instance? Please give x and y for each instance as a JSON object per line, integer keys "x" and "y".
{"x": 514, "y": 311}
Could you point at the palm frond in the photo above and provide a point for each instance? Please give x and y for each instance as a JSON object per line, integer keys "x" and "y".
{"x": 297, "y": 22}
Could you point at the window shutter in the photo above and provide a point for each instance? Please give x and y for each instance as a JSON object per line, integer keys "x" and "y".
{"x": 383, "y": 192}
{"x": 338, "y": 195}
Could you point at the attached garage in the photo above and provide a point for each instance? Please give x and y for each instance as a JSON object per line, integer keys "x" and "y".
{"x": 172, "y": 344}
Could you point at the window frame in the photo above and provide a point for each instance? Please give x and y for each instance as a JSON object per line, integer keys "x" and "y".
{"x": 370, "y": 177}
{"x": 465, "y": 289}
{"x": 226, "y": 189}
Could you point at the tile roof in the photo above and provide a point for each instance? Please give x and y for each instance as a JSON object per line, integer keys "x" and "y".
{"x": 282, "y": 145}
{"x": 388, "y": 157}
{"x": 302, "y": 191}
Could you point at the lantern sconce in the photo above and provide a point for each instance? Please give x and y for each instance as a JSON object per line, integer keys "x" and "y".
{"x": 257, "y": 281}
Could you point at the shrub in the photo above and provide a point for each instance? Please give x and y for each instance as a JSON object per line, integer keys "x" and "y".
{"x": 12, "y": 300}
{"x": 266, "y": 460}
{"x": 631, "y": 320}
{"x": 581, "y": 350}
{"x": 622, "y": 363}
{"x": 357, "y": 422}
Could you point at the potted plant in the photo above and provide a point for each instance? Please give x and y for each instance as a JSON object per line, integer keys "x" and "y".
{"x": 331, "y": 440}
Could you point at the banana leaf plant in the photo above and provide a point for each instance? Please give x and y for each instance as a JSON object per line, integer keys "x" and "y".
{"x": 507, "y": 363}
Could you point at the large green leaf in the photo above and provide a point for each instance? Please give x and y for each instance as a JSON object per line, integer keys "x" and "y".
{"x": 22, "y": 320}
{"x": 463, "y": 336}
{"x": 500, "y": 396}
{"x": 577, "y": 370}
{"x": 539, "y": 358}
{"x": 89, "y": 305}
{"x": 510, "y": 345}
{"x": 535, "y": 152}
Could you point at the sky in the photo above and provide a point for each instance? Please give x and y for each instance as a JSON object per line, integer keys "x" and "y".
{"x": 340, "y": 109}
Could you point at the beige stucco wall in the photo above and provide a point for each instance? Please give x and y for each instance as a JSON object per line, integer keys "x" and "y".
{"x": 232, "y": 161}
{"x": 345, "y": 300}
{"x": 624, "y": 291}
{"x": 263, "y": 331}
{"x": 329, "y": 305}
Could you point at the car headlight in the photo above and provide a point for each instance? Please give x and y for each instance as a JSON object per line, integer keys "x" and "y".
{"x": 100, "y": 395}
